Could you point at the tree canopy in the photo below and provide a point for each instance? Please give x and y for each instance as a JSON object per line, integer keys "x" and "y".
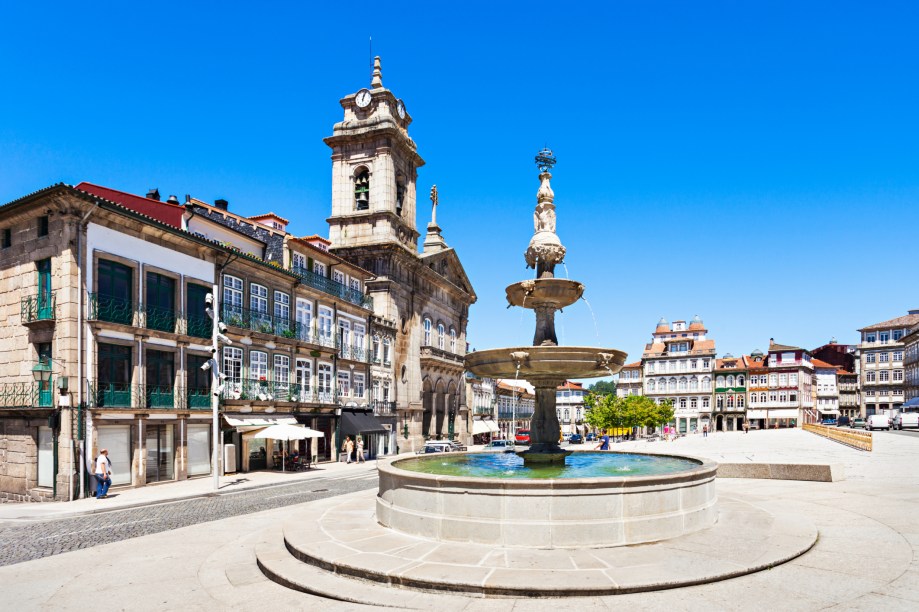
{"x": 609, "y": 411}
{"x": 603, "y": 387}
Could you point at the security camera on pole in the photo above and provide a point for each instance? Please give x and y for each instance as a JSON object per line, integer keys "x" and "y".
{"x": 217, "y": 377}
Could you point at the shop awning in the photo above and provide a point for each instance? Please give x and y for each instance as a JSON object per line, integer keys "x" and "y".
{"x": 353, "y": 423}
{"x": 913, "y": 403}
{"x": 829, "y": 412}
{"x": 251, "y": 423}
{"x": 479, "y": 427}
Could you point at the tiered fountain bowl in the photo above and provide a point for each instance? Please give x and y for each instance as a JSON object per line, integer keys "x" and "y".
{"x": 537, "y": 499}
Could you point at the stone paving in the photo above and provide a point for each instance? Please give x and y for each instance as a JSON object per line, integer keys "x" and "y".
{"x": 867, "y": 557}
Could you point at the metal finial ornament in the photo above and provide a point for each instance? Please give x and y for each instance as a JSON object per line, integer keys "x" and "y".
{"x": 545, "y": 160}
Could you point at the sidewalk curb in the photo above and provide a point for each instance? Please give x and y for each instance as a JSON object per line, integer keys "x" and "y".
{"x": 158, "y": 502}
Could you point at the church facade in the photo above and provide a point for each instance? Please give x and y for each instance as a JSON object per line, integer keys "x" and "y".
{"x": 427, "y": 294}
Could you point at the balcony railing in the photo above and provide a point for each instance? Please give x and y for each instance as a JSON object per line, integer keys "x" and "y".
{"x": 40, "y": 307}
{"x": 429, "y": 352}
{"x": 156, "y": 397}
{"x": 354, "y": 352}
{"x": 26, "y": 395}
{"x": 483, "y": 410}
{"x": 259, "y": 321}
{"x": 350, "y": 396}
{"x": 332, "y": 287}
{"x": 110, "y": 308}
{"x": 264, "y": 390}
{"x": 161, "y": 319}
{"x": 383, "y": 408}
{"x": 199, "y": 327}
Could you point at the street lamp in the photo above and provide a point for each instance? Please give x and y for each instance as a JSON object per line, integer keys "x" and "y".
{"x": 452, "y": 413}
{"x": 42, "y": 371}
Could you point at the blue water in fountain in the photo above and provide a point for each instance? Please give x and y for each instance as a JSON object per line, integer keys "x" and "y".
{"x": 577, "y": 465}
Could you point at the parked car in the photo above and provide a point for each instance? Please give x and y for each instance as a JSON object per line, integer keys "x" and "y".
{"x": 843, "y": 421}
{"x": 858, "y": 423}
{"x": 440, "y": 446}
{"x": 828, "y": 422}
{"x": 576, "y": 439}
{"x": 500, "y": 446}
{"x": 907, "y": 420}
{"x": 877, "y": 421}
{"x": 523, "y": 436}
{"x": 590, "y": 437}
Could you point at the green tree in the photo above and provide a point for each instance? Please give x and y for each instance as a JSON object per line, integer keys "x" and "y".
{"x": 602, "y": 411}
{"x": 603, "y": 387}
{"x": 663, "y": 413}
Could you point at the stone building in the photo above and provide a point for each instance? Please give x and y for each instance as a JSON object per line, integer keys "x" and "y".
{"x": 826, "y": 389}
{"x": 678, "y": 365}
{"x": 629, "y": 382}
{"x": 757, "y": 389}
{"x": 730, "y": 394}
{"x": 569, "y": 407}
{"x": 373, "y": 225}
{"x": 790, "y": 395}
{"x": 910, "y": 344}
{"x": 881, "y": 367}
{"x": 843, "y": 356}
{"x": 481, "y": 399}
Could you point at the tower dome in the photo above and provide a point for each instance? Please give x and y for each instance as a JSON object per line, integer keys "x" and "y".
{"x": 662, "y": 325}
{"x": 696, "y": 323}
{"x": 756, "y": 354}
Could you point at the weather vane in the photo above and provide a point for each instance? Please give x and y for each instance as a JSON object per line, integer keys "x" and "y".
{"x": 545, "y": 160}
{"x": 434, "y": 205}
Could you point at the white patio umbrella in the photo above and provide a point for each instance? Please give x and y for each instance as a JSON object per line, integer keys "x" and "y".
{"x": 283, "y": 431}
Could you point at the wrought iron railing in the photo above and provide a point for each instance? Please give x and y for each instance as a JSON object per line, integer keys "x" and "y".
{"x": 383, "y": 408}
{"x": 199, "y": 327}
{"x": 259, "y": 321}
{"x": 354, "y": 352}
{"x": 157, "y": 397}
{"x": 41, "y": 307}
{"x": 483, "y": 410}
{"x": 332, "y": 287}
{"x": 161, "y": 319}
{"x": 110, "y": 308}
{"x": 26, "y": 395}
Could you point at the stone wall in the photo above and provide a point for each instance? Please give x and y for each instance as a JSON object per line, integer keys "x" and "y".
{"x": 19, "y": 460}
{"x": 274, "y": 242}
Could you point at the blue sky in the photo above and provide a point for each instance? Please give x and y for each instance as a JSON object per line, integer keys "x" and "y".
{"x": 753, "y": 164}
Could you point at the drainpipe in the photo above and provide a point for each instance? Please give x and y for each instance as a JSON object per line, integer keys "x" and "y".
{"x": 81, "y": 263}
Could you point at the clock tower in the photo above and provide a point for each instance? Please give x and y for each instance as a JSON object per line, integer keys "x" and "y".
{"x": 374, "y": 168}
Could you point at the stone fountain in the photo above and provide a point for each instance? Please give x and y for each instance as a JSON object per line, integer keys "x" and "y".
{"x": 545, "y": 364}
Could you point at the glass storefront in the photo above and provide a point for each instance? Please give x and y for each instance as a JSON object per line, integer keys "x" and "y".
{"x": 117, "y": 439}
{"x": 160, "y": 443}
{"x": 199, "y": 449}
{"x": 45, "y": 457}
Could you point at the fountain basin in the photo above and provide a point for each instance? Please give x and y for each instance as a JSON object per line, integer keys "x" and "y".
{"x": 555, "y": 292}
{"x": 547, "y": 513}
{"x": 546, "y": 362}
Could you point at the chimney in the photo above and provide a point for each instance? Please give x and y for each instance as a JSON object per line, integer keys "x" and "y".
{"x": 173, "y": 200}
{"x": 771, "y": 341}
{"x": 154, "y": 194}
{"x": 222, "y": 204}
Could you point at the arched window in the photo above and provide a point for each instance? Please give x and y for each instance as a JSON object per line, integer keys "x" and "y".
{"x": 731, "y": 380}
{"x": 682, "y": 402}
{"x": 440, "y": 336}
{"x": 762, "y": 397}
{"x": 683, "y": 382}
{"x": 694, "y": 383}
{"x": 400, "y": 193}
{"x": 719, "y": 382}
{"x": 452, "y": 340}
{"x": 672, "y": 384}
{"x": 650, "y": 385}
{"x": 694, "y": 402}
{"x": 740, "y": 401}
{"x": 387, "y": 355}
{"x": 752, "y": 398}
{"x": 730, "y": 401}
{"x": 362, "y": 189}
{"x": 706, "y": 384}
{"x": 719, "y": 402}
{"x": 740, "y": 380}
{"x": 705, "y": 403}
{"x": 376, "y": 354}
{"x": 427, "y": 332}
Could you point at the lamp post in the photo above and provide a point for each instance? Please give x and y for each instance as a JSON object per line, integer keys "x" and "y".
{"x": 217, "y": 377}
{"x": 452, "y": 414}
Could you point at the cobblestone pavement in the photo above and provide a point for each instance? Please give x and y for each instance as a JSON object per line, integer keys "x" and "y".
{"x": 33, "y": 540}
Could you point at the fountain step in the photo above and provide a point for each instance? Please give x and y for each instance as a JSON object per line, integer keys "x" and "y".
{"x": 335, "y": 548}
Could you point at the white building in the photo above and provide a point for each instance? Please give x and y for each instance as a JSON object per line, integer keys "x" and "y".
{"x": 826, "y": 389}
{"x": 569, "y": 407}
{"x": 881, "y": 364}
{"x": 678, "y": 365}
{"x": 629, "y": 382}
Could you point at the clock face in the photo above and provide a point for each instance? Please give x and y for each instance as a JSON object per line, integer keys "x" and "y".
{"x": 363, "y": 98}
{"x": 400, "y": 108}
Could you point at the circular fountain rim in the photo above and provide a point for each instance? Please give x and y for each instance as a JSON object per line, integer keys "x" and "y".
{"x": 705, "y": 468}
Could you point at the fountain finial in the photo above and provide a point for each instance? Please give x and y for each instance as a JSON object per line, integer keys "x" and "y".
{"x": 545, "y": 160}
{"x": 545, "y": 248}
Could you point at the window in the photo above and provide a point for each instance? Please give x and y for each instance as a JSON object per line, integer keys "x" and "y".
{"x": 897, "y": 334}
{"x": 7, "y": 238}
{"x": 233, "y": 297}
{"x": 258, "y": 365}
{"x": 650, "y": 385}
{"x": 773, "y": 380}
{"x": 116, "y": 292}
{"x": 694, "y": 403}
{"x": 427, "y": 332}
{"x": 787, "y": 357}
{"x": 898, "y": 375}
{"x": 740, "y": 380}
{"x": 672, "y": 384}
{"x": 344, "y": 383}
{"x": 376, "y": 355}
{"x": 719, "y": 402}
{"x": 793, "y": 380}
{"x": 706, "y": 404}
{"x": 440, "y": 336}
{"x": 258, "y": 298}
{"x": 159, "y": 308}
{"x": 705, "y": 364}
{"x": 731, "y": 381}
{"x": 792, "y": 397}
{"x": 452, "y": 340}
{"x": 869, "y": 358}
{"x": 344, "y": 336}
{"x": 304, "y": 376}
{"x": 884, "y": 375}
{"x": 319, "y": 269}
{"x": 693, "y": 364}
{"x": 43, "y": 226}
{"x": 870, "y": 338}
{"x": 362, "y": 189}
{"x": 359, "y": 385}
{"x": 682, "y": 403}
{"x": 298, "y": 261}
{"x": 752, "y": 398}
{"x": 898, "y": 355}
{"x": 884, "y": 336}
{"x": 233, "y": 369}
{"x": 304, "y": 318}
{"x": 386, "y": 354}
{"x": 783, "y": 380}
{"x": 883, "y": 357}
{"x": 324, "y": 382}
{"x": 683, "y": 384}
{"x": 281, "y": 310}
{"x": 730, "y": 401}
{"x": 324, "y": 330}
{"x": 870, "y": 376}
{"x": 773, "y": 396}
{"x": 338, "y": 276}
{"x": 706, "y": 384}
{"x": 281, "y": 376}
{"x": 762, "y": 397}
{"x": 740, "y": 401}
{"x": 358, "y": 341}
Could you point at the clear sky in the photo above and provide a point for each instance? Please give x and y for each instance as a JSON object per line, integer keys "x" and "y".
{"x": 755, "y": 165}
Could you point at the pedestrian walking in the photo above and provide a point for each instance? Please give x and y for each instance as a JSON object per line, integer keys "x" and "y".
{"x": 604, "y": 442}
{"x": 345, "y": 455}
{"x": 705, "y": 430}
{"x": 103, "y": 474}
{"x": 360, "y": 448}
{"x": 349, "y": 447}
{"x": 746, "y": 427}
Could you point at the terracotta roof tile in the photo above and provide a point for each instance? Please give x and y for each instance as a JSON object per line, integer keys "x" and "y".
{"x": 270, "y": 215}
{"x": 164, "y": 212}
{"x": 904, "y": 321}
{"x": 819, "y": 363}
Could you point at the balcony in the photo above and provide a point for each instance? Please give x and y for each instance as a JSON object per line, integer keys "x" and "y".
{"x": 38, "y": 309}
{"x": 483, "y": 410}
{"x": 160, "y": 319}
{"x": 111, "y": 309}
{"x": 153, "y": 397}
{"x": 353, "y": 352}
{"x": 349, "y": 397}
{"x": 383, "y": 408}
{"x": 437, "y": 356}
{"x": 262, "y": 390}
{"x": 26, "y": 395}
{"x": 259, "y": 321}
{"x": 327, "y": 285}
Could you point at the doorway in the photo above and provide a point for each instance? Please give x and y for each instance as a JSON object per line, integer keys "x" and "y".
{"x": 160, "y": 443}
{"x": 719, "y": 423}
